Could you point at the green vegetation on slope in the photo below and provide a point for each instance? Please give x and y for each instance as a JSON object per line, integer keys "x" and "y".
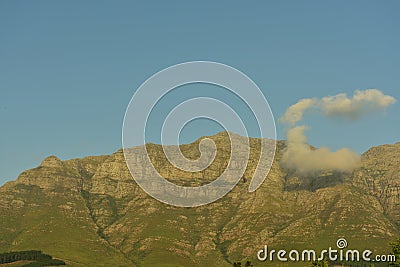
{"x": 90, "y": 212}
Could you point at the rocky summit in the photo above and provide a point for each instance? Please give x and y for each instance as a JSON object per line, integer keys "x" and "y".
{"x": 90, "y": 212}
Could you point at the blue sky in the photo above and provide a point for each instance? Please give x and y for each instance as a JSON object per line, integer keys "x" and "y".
{"x": 69, "y": 68}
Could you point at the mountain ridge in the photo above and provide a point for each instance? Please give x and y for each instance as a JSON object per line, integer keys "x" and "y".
{"x": 94, "y": 203}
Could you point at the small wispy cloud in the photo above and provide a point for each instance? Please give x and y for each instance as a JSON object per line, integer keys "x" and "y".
{"x": 362, "y": 103}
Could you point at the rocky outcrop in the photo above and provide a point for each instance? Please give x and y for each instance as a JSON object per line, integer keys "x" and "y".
{"x": 52, "y": 174}
{"x": 379, "y": 174}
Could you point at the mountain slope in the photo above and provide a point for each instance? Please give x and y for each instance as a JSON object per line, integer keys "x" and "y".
{"x": 90, "y": 212}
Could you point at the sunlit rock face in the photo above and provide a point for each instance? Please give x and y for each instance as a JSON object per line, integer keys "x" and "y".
{"x": 96, "y": 204}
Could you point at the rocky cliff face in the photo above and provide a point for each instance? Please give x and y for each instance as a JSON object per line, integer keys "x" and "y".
{"x": 379, "y": 174}
{"x": 90, "y": 211}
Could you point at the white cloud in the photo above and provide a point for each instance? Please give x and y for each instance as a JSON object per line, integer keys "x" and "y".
{"x": 299, "y": 155}
{"x": 362, "y": 102}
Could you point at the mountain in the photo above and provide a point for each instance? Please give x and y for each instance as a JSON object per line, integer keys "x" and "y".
{"x": 90, "y": 212}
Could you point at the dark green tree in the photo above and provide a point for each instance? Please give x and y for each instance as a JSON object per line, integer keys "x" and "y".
{"x": 395, "y": 251}
{"x": 248, "y": 264}
{"x": 322, "y": 263}
{"x": 39, "y": 258}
